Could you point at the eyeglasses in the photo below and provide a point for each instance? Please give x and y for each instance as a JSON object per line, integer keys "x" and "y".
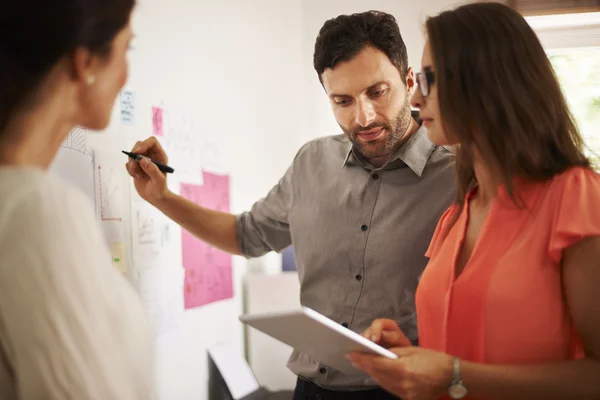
{"x": 425, "y": 80}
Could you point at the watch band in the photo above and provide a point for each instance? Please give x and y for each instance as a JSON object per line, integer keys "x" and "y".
{"x": 456, "y": 369}
{"x": 457, "y": 389}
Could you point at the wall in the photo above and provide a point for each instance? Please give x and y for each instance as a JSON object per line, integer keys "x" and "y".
{"x": 410, "y": 16}
{"x": 226, "y": 63}
{"x": 567, "y": 31}
{"x": 267, "y": 356}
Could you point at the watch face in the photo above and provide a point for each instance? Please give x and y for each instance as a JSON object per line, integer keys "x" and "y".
{"x": 457, "y": 391}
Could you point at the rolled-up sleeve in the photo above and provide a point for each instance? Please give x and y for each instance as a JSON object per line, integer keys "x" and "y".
{"x": 266, "y": 226}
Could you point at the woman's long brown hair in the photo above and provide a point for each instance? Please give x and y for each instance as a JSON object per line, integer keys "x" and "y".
{"x": 498, "y": 94}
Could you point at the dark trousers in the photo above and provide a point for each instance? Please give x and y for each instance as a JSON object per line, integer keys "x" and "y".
{"x": 306, "y": 390}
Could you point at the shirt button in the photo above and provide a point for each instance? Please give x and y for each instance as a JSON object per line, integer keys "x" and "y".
{"x": 364, "y": 228}
{"x": 345, "y": 324}
{"x": 375, "y": 176}
{"x": 323, "y": 371}
{"x": 358, "y": 277}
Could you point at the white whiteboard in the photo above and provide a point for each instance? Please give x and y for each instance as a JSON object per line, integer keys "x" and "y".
{"x": 75, "y": 162}
{"x": 224, "y": 64}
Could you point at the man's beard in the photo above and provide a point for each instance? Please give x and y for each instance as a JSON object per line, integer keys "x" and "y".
{"x": 382, "y": 147}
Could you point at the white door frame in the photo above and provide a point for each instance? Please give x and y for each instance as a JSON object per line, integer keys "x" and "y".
{"x": 567, "y": 31}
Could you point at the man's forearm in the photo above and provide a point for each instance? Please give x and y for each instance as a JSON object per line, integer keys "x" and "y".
{"x": 213, "y": 227}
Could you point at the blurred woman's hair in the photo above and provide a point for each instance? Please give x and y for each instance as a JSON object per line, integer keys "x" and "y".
{"x": 35, "y": 35}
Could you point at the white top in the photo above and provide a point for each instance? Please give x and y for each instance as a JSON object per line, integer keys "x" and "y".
{"x": 71, "y": 327}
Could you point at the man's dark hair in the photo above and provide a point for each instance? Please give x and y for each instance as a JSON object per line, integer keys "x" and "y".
{"x": 342, "y": 38}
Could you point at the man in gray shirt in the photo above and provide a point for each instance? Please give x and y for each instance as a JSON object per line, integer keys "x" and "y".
{"x": 359, "y": 208}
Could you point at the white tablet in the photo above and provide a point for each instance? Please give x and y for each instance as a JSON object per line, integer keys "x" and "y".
{"x": 315, "y": 335}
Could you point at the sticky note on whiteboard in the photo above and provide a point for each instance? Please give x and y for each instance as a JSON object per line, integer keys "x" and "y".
{"x": 127, "y": 100}
{"x": 157, "y": 121}
{"x": 117, "y": 252}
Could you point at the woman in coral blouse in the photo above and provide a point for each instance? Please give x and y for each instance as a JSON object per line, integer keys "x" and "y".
{"x": 506, "y": 306}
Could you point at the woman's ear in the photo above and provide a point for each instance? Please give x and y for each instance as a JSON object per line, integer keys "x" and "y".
{"x": 83, "y": 66}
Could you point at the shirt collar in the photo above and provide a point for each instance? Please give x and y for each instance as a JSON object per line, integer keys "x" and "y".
{"x": 414, "y": 154}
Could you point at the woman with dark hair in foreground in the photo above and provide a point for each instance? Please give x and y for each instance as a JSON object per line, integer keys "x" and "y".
{"x": 70, "y": 326}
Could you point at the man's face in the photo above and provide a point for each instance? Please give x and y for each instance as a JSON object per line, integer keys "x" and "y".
{"x": 370, "y": 101}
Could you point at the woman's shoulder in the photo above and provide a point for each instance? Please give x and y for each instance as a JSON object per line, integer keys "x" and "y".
{"x": 48, "y": 230}
{"x": 39, "y": 210}
{"x": 29, "y": 191}
{"x": 572, "y": 203}
{"x": 572, "y": 189}
{"x": 576, "y": 177}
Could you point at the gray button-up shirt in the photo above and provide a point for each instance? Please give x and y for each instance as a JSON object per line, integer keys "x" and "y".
{"x": 360, "y": 234}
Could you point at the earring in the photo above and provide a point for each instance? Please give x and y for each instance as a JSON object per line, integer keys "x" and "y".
{"x": 90, "y": 80}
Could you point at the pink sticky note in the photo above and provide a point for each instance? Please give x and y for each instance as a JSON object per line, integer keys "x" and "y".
{"x": 157, "y": 121}
{"x": 208, "y": 271}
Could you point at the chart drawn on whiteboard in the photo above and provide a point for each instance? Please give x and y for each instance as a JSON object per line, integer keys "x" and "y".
{"x": 146, "y": 229}
{"x": 146, "y": 235}
{"x": 108, "y": 193}
{"x": 150, "y": 232}
{"x": 76, "y": 141}
{"x": 74, "y": 162}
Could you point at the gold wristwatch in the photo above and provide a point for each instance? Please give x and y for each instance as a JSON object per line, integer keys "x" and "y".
{"x": 456, "y": 390}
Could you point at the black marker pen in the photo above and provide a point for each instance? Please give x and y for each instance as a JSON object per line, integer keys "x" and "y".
{"x": 138, "y": 157}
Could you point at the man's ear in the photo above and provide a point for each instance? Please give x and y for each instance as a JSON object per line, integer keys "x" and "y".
{"x": 410, "y": 80}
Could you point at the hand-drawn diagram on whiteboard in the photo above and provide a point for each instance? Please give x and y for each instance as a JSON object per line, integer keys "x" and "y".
{"x": 109, "y": 195}
{"x": 182, "y": 143}
{"x": 150, "y": 234}
{"x": 207, "y": 270}
{"x": 212, "y": 156}
{"x": 108, "y": 192}
{"x": 74, "y": 162}
{"x": 146, "y": 229}
{"x": 127, "y": 100}
{"x": 77, "y": 141}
